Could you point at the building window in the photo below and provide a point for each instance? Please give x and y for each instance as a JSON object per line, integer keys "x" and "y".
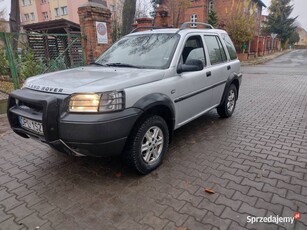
{"x": 23, "y": 2}
{"x": 211, "y": 6}
{"x": 57, "y": 12}
{"x": 193, "y": 19}
{"x": 43, "y": 1}
{"x": 30, "y": 2}
{"x": 27, "y": 17}
{"x": 32, "y": 16}
{"x": 64, "y": 10}
{"x": 45, "y": 15}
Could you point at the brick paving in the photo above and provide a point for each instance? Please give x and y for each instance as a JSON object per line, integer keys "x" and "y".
{"x": 255, "y": 162}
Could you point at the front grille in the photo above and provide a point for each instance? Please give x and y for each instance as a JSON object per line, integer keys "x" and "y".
{"x": 29, "y": 107}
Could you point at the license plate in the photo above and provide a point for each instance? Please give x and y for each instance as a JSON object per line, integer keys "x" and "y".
{"x": 31, "y": 125}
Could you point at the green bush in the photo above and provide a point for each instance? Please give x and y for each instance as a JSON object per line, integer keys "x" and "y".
{"x": 4, "y": 64}
{"x": 29, "y": 66}
{"x": 55, "y": 65}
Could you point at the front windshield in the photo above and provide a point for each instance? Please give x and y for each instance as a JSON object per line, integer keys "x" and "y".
{"x": 143, "y": 51}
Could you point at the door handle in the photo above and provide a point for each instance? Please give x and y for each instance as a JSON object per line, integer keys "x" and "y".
{"x": 228, "y": 67}
{"x": 208, "y": 74}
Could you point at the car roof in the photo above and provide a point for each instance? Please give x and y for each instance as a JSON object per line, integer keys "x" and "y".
{"x": 177, "y": 31}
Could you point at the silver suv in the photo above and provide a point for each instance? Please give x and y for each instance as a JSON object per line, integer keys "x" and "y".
{"x": 132, "y": 97}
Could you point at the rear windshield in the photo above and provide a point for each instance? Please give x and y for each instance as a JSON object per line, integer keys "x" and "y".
{"x": 144, "y": 51}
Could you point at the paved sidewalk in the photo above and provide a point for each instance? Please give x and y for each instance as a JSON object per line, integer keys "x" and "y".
{"x": 255, "y": 162}
{"x": 264, "y": 59}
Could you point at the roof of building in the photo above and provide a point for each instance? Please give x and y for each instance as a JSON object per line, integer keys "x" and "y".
{"x": 54, "y": 26}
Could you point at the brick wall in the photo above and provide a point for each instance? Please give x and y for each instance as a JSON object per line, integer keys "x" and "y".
{"x": 223, "y": 9}
{"x": 89, "y": 14}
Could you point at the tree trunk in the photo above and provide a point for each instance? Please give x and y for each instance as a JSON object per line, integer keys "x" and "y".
{"x": 15, "y": 22}
{"x": 128, "y": 16}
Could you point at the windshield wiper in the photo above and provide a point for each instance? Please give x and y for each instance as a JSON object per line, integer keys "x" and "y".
{"x": 96, "y": 63}
{"x": 118, "y": 64}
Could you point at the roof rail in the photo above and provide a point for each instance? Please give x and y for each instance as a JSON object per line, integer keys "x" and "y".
{"x": 145, "y": 27}
{"x": 184, "y": 25}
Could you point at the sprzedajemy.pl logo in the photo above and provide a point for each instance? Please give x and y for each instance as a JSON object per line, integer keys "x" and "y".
{"x": 273, "y": 219}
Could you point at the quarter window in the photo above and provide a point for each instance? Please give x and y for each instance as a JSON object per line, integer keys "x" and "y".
{"x": 230, "y": 47}
{"x": 216, "y": 51}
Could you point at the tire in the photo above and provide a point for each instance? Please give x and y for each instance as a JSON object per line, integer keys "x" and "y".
{"x": 227, "y": 108}
{"x": 147, "y": 144}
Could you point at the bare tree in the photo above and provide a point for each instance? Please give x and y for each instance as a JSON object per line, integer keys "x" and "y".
{"x": 2, "y": 21}
{"x": 143, "y": 8}
{"x": 128, "y": 16}
{"x": 15, "y": 22}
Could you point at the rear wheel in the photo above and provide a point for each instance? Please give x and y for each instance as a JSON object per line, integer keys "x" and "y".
{"x": 147, "y": 144}
{"x": 227, "y": 108}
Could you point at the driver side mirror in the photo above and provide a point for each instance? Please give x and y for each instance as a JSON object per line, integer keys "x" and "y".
{"x": 191, "y": 65}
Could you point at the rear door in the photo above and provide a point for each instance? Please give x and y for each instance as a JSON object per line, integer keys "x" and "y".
{"x": 219, "y": 66}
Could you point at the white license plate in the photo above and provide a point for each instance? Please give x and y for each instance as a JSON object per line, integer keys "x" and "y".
{"x": 31, "y": 125}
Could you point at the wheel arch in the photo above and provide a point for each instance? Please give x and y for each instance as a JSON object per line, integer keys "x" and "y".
{"x": 235, "y": 79}
{"x": 157, "y": 104}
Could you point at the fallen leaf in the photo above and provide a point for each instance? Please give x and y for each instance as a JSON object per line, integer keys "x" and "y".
{"x": 208, "y": 190}
{"x": 119, "y": 174}
{"x": 182, "y": 228}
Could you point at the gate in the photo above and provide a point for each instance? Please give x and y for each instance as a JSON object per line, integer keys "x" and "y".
{"x": 30, "y": 54}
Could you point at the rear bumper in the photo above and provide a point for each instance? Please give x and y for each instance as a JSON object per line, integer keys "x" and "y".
{"x": 101, "y": 134}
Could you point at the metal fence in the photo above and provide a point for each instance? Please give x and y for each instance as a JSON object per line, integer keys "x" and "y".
{"x": 23, "y": 55}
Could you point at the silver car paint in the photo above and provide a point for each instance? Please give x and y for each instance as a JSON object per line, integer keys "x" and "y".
{"x": 138, "y": 83}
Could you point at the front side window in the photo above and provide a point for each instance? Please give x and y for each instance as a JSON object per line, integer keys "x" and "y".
{"x": 152, "y": 51}
{"x": 193, "y": 49}
{"x": 216, "y": 51}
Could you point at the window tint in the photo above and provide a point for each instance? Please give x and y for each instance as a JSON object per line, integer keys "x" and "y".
{"x": 216, "y": 51}
{"x": 230, "y": 47}
{"x": 194, "y": 49}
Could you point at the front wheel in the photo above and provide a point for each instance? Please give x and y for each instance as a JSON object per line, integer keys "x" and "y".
{"x": 227, "y": 108}
{"x": 147, "y": 144}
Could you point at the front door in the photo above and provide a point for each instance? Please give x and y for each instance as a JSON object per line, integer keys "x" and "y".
{"x": 192, "y": 93}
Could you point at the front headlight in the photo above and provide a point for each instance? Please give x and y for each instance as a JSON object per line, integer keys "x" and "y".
{"x": 97, "y": 102}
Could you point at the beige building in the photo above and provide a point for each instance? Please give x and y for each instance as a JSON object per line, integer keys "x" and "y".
{"x": 303, "y": 37}
{"x": 33, "y": 11}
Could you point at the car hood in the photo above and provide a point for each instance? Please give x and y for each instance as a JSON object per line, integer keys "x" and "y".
{"x": 92, "y": 79}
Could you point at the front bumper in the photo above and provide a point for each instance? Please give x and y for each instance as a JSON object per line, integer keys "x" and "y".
{"x": 102, "y": 134}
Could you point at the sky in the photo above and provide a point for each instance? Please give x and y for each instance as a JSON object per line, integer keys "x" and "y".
{"x": 300, "y": 7}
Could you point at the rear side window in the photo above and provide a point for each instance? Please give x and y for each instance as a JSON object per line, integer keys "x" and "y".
{"x": 216, "y": 51}
{"x": 230, "y": 47}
